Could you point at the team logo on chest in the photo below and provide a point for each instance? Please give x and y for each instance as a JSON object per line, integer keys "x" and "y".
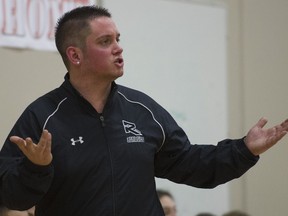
{"x": 130, "y": 128}
{"x": 79, "y": 140}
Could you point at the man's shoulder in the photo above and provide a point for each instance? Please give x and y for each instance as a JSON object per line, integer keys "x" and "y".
{"x": 131, "y": 93}
{"x": 49, "y": 99}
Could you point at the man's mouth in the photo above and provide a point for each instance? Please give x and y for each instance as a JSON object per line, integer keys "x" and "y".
{"x": 119, "y": 62}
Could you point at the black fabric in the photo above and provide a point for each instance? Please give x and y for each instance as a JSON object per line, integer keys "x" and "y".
{"x": 106, "y": 164}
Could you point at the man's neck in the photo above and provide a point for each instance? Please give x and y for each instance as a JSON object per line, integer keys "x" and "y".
{"x": 95, "y": 93}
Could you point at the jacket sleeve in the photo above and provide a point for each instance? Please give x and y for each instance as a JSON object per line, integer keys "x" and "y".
{"x": 202, "y": 166}
{"x": 22, "y": 183}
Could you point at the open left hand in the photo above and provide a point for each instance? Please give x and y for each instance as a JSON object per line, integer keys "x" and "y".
{"x": 259, "y": 140}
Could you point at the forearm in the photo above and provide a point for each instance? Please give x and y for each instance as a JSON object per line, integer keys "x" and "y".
{"x": 206, "y": 166}
{"x": 24, "y": 183}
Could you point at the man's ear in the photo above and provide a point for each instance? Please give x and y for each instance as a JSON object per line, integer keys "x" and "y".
{"x": 74, "y": 55}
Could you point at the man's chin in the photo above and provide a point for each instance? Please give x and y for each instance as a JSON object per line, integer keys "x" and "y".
{"x": 120, "y": 74}
{"x": 117, "y": 76}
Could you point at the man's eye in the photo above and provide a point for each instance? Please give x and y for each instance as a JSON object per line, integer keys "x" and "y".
{"x": 105, "y": 42}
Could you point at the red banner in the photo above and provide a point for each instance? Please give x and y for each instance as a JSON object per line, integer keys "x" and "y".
{"x": 30, "y": 23}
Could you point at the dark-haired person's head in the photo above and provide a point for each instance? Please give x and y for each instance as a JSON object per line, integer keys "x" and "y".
{"x": 236, "y": 213}
{"x": 205, "y": 214}
{"x": 74, "y": 26}
{"x": 167, "y": 201}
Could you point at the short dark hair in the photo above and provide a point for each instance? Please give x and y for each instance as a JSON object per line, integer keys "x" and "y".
{"x": 205, "y": 214}
{"x": 73, "y": 27}
{"x": 236, "y": 213}
{"x": 161, "y": 193}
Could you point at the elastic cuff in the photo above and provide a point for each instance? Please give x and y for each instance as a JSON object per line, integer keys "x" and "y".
{"x": 242, "y": 148}
{"x": 37, "y": 168}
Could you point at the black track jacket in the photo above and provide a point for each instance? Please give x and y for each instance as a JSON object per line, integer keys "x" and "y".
{"x": 105, "y": 164}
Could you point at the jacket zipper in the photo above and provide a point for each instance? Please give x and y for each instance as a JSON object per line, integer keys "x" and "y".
{"x": 102, "y": 119}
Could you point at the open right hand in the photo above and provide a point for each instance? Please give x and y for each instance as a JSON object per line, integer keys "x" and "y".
{"x": 39, "y": 154}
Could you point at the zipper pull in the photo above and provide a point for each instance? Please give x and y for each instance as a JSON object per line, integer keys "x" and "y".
{"x": 102, "y": 120}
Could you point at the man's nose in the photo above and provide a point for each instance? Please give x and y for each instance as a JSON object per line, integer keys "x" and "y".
{"x": 117, "y": 49}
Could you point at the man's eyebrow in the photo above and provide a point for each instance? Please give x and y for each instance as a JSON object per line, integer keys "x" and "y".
{"x": 108, "y": 35}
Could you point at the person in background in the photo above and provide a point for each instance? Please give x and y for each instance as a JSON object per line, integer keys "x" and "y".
{"x": 94, "y": 147}
{"x": 167, "y": 201}
{"x": 236, "y": 213}
{"x": 205, "y": 214}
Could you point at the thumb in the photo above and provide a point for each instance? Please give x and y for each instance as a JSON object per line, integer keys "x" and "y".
{"x": 262, "y": 122}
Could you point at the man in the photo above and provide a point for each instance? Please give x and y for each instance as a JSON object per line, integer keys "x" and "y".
{"x": 92, "y": 147}
{"x": 168, "y": 203}
{"x": 236, "y": 213}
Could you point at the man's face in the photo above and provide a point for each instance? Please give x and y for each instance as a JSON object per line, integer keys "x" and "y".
{"x": 102, "y": 57}
{"x": 168, "y": 206}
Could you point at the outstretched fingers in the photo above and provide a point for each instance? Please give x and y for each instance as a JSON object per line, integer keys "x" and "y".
{"x": 258, "y": 139}
{"x": 284, "y": 125}
{"x": 21, "y": 143}
{"x": 45, "y": 141}
{"x": 43, "y": 148}
{"x": 280, "y": 130}
{"x": 40, "y": 153}
{"x": 262, "y": 122}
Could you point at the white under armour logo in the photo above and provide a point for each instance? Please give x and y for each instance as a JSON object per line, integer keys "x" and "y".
{"x": 74, "y": 141}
